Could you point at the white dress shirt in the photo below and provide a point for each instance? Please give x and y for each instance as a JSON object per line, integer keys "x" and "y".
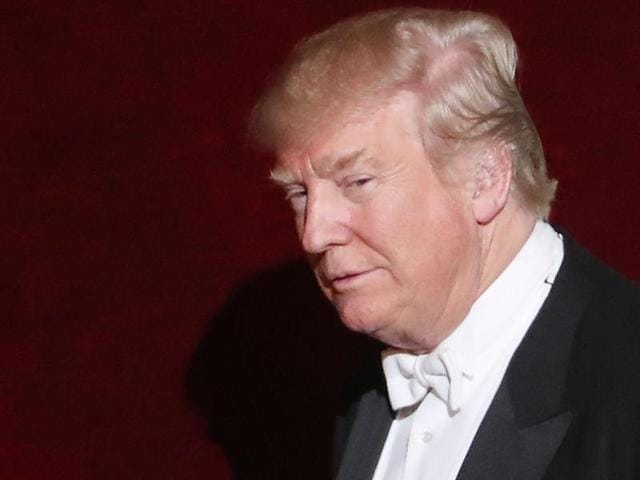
{"x": 429, "y": 441}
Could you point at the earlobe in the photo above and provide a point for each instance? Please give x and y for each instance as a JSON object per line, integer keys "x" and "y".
{"x": 492, "y": 182}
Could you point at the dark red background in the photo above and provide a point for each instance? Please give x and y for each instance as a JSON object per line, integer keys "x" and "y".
{"x": 130, "y": 210}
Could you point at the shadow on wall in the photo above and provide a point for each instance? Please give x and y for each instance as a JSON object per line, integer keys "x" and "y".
{"x": 268, "y": 373}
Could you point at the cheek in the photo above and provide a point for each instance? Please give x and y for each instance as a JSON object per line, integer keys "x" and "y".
{"x": 423, "y": 235}
{"x": 299, "y": 223}
{"x": 389, "y": 222}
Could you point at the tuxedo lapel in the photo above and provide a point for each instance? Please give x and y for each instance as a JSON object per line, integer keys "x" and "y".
{"x": 529, "y": 416}
{"x": 371, "y": 424}
{"x": 502, "y": 450}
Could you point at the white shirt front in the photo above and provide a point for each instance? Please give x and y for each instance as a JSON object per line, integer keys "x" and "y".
{"x": 429, "y": 441}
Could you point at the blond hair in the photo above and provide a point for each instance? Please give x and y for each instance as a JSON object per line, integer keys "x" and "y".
{"x": 460, "y": 65}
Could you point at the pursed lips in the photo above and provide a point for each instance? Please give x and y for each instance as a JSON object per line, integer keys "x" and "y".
{"x": 341, "y": 281}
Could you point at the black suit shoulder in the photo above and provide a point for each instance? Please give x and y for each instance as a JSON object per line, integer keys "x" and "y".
{"x": 603, "y": 381}
{"x": 608, "y": 335}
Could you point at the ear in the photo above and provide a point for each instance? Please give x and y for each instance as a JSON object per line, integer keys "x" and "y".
{"x": 494, "y": 171}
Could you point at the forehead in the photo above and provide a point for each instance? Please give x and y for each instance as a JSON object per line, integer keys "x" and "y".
{"x": 290, "y": 169}
{"x": 363, "y": 140}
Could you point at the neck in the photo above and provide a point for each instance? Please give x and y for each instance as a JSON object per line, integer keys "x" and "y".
{"x": 499, "y": 241}
{"x": 502, "y": 239}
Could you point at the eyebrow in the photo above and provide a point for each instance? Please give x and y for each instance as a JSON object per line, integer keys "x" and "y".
{"x": 329, "y": 166}
{"x": 281, "y": 176}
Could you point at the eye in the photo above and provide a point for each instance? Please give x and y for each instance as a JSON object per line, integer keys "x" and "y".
{"x": 359, "y": 182}
{"x": 297, "y": 198}
{"x": 358, "y": 185}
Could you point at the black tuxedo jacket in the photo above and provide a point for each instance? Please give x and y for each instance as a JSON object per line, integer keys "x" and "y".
{"x": 568, "y": 406}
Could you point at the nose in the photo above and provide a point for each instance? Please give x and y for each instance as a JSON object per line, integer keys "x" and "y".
{"x": 326, "y": 220}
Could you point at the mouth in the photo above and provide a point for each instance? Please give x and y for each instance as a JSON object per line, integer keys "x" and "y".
{"x": 347, "y": 281}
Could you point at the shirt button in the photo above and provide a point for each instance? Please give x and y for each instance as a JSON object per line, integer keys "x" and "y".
{"x": 427, "y": 437}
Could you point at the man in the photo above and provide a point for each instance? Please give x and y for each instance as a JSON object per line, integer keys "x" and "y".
{"x": 420, "y": 194}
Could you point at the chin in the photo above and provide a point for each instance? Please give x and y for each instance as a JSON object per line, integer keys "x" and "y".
{"x": 364, "y": 316}
{"x": 380, "y": 321}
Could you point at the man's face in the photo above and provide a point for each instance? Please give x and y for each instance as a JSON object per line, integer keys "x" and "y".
{"x": 392, "y": 246}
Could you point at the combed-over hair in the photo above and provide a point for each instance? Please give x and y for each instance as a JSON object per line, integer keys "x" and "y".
{"x": 460, "y": 65}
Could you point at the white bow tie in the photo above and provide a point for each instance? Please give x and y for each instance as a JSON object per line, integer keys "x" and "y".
{"x": 410, "y": 377}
